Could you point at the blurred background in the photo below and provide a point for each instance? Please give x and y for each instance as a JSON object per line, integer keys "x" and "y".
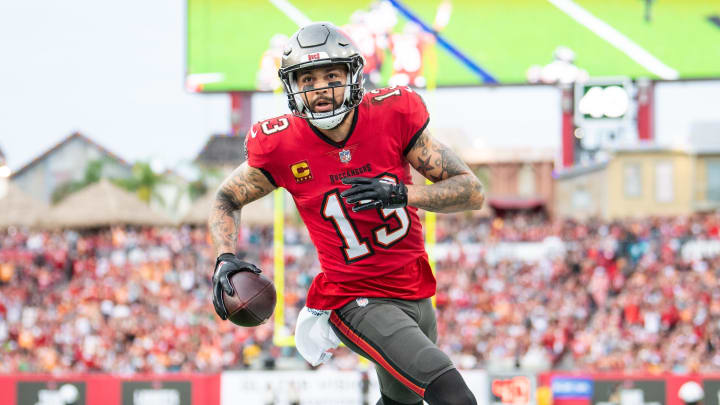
{"x": 590, "y": 277}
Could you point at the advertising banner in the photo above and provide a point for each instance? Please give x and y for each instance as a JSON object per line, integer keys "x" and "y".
{"x": 107, "y": 389}
{"x": 712, "y": 391}
{"x": 571, "y": 390}
{"x": 626, "y": 389}
{"x": 341, "y": 388}
{"x": 629, "y": 392}
{"x": 156, "y": 393}
{"x": 287, "y": 387}
{"x": 51, "y": 393}
{"x": 511, "y": 388}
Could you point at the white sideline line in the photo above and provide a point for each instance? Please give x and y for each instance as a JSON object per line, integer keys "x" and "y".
{"x": 616, "y": 39}
{"x": 292, "y": 12}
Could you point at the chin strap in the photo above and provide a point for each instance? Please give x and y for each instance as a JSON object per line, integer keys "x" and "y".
{"x": 328, "y": 122}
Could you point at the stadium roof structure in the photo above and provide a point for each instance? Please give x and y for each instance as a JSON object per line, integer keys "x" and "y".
{"x": 681, "y": 148}
{"x": 222, "y": 150}
{"x": 102, "y": 204}
{"x": 258, "y": 212}
{"x": 580, "y": 170}
{"x": 19, "y": 209}
{"x": 703, "y": 139}
{"x": 74, "y": 135}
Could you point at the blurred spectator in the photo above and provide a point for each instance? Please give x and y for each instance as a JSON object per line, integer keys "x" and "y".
{"x": 561, "y": 70}
{"x": 518, "y": 292}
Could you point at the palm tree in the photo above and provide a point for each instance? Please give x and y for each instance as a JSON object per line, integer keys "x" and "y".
{"x": 207, "y": 179}
{"x": 145, "y": 182}
{"x": 93, "y": 174}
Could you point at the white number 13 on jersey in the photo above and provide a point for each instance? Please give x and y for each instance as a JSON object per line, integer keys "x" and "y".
{"x": 354, "y": 246}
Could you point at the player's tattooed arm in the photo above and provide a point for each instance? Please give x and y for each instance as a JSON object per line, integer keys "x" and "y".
{"x": 455, "y": 187}
{"x": 244, "y": 185}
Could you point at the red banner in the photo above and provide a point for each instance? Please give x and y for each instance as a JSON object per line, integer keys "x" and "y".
{"x": 620, "y": 388}
{"x": 106, "y": 389}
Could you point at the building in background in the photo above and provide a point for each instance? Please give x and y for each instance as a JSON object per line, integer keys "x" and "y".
{"x": 70, "y": 159}
{"x": 17, "y": 209}
{"x": 64, "y": 162}
{"x": 644, "y": 180}
{"x": 519, "y": 180}
{"x": 4, "y": 174}
{"x": 2, "y": 158}
{"x": 516, "y": 179}
{"x": 222, "y": 152}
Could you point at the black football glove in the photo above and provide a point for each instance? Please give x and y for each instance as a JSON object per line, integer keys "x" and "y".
{"x": 371, "y": 192}
{"x": 226, "y": 265}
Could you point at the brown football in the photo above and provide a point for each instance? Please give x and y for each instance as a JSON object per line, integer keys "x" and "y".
{"x": 253, "y": 301}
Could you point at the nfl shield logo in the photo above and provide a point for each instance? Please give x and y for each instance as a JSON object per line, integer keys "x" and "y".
{"x": 345, "y": 156}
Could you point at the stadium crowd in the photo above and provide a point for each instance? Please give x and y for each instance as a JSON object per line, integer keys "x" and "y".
{"x": 520, "y": 292}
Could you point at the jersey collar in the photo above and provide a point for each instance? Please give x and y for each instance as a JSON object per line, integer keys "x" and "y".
{"x": 344, "y": 141}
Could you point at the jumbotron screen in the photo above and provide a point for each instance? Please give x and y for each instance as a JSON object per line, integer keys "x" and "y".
{"x": 235, "y": 45}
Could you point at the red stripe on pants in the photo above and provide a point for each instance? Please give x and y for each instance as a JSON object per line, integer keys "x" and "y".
{"x": 367, "y": 348}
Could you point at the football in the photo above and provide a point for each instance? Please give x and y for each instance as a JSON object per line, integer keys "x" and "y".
{"x": 253, "y": 301}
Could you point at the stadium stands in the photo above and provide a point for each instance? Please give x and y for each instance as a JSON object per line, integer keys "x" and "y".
{"x": 635, "y": 295}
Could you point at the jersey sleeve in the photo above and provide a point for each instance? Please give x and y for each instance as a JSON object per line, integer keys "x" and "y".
{"x": 256, "y": 155}
{"x": 416, "y": 118}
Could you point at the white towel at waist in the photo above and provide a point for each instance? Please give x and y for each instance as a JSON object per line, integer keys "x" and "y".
{"x": 314, "y": 336}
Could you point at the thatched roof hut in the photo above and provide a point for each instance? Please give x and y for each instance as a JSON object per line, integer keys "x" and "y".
{"x": 102, "y": 204}
{"x": 19, "y": 209}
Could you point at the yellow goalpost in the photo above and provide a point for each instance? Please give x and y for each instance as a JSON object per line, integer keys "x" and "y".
{"x": 431, "y": 64}
{"x": 280, "y": 338}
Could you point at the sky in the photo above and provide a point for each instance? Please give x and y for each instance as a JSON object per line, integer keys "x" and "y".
{"x": 113, "y": 71}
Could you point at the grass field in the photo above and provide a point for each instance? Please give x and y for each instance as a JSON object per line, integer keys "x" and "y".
{"x": 503, "y": 37}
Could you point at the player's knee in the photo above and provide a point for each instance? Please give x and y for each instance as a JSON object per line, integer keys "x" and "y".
{"x": 449, "y": 389}
{"x": 430, "y": 361}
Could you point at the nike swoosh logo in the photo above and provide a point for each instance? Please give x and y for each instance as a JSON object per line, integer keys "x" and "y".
{"x": 252, "y": 132}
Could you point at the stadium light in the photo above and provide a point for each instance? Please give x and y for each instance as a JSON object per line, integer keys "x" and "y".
{"x": 5, "y": 171}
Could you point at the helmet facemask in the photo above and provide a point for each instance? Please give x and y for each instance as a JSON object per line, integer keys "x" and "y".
{"x": 353, "y": 91}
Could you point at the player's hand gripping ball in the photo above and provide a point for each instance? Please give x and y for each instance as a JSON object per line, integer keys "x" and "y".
{"x": 240, "y": 293}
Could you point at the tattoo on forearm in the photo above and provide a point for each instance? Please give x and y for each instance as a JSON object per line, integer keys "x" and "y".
{"x": 456, "y": 188}
{"x": 227, "y": 202}
{"x": 242, "y": 187}
{"x": 223, "y": 228}
{"x": 453, "y": 194}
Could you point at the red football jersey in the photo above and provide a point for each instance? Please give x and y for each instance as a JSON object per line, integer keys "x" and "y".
{"x": 371, "y": 253}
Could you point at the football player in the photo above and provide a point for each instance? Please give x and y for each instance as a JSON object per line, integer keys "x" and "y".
{"x": 360, "y": 31}
{"x": 266, "y": 78}
{"x": 345, "y": 157}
